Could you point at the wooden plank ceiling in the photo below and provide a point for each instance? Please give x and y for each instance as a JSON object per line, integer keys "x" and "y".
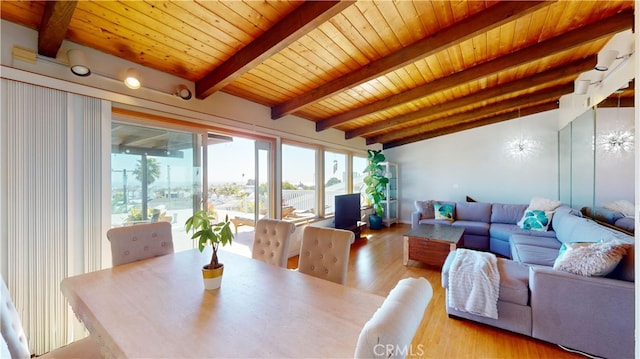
{"x": 393, "y": 72}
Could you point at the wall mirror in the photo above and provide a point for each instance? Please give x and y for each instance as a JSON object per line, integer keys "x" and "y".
{"x": 596, "y": 161}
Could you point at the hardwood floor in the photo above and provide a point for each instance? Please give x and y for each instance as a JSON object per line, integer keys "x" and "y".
{"x": 376, "y": 266}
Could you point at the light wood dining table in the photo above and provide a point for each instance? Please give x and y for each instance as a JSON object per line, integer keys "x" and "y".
{"x": 158, "y": 308}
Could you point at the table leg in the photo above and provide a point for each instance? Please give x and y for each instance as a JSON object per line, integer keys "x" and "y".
{"x": 405, "y": 250}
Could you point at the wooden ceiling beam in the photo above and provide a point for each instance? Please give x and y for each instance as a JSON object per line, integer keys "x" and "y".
{"x": 491, "y": 18}
{"x": 53, "y": 26}
{"x": 572, "y": 39}
{"x": 613, "y": 102}
{"x": 551, "y": 105}
{"x": 519, "y": 102}
{"x": 540, "y": 79}
{"x": 303, "y": 19}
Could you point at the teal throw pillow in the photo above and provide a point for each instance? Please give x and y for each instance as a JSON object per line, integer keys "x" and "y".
{"x": 536, "y": 220}
{"x": 443, "y": 211}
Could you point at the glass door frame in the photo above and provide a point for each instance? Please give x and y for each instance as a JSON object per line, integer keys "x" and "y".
{"x": 200, "y": 153}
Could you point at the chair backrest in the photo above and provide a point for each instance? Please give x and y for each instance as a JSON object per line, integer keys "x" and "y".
{"x": 324, "y": 253}
{"x": 389, "y": 332}
{"x": 271, "y": 241}
{"x": 140, "y": 241}
{"x": 11, "y": 327}
{"x": 14, "y": 344}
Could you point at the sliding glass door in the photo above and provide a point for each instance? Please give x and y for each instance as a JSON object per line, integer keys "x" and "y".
{"x": 238, "y": 185}
{"x": 155, "y": 176}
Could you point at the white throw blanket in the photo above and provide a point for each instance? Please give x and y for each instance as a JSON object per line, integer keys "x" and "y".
{"x": 474, "y": 283}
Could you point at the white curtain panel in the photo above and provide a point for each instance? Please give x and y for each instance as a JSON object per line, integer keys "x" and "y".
{"x": 53, "y": 203}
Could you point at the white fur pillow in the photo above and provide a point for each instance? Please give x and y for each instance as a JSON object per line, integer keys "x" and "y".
{"x": 627, "y": 208}
{"x": 425, "y": 208}
{"x": 543, "y": 204}
{"x": 592, "y": 260}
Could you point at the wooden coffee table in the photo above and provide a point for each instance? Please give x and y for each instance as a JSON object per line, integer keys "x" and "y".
{"x": 431, "y": 243}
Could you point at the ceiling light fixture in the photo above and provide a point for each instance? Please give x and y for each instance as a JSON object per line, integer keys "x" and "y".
{"x": 132, "y": 79}
{"x": 617, "y": 141}
{"x": 78, "y": 63}
{"x": 606, "y": 59}
{"x": 521, "y": 147}
{"x": 183, "y": 92}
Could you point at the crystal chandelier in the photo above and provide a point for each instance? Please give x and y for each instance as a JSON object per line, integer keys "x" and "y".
{"x": 522, "y": 147}
{"x": 616, "y": 142}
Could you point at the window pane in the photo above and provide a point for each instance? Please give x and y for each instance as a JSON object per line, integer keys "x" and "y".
{"x": 231, "y": 174}
{"x": 298, "y": 183}
{"x": 359, "y": 164}
{"x": 153, "y": 178}
{"x": 335, "y": 178}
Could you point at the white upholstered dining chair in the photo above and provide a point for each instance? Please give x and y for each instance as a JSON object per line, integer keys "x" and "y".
{"x": 390, "y": 331}
{"x": 14, "y": 342}
{"x": 271, "y": 241}
{"x": 140, "y": 241}
{"x": 324, "y": 253}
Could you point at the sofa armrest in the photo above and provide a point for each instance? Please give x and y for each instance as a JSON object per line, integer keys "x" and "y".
{"x": 591, "y": 314}
{"x": 415, "y": 219}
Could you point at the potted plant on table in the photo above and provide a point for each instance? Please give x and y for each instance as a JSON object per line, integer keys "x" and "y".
{"x": 208, "y": 232}
{"x": 376, "y": 185}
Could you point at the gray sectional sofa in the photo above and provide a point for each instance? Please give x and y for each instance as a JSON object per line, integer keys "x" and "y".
{"x": 487, "y": 226}
{"x": 586, "y": 313}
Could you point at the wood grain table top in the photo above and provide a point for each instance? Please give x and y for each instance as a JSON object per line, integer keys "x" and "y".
{"x": 158, "y": 308}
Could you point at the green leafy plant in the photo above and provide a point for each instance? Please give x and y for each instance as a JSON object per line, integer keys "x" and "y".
{"x": 209, "y": 233}
{"x": 375, "y": 181}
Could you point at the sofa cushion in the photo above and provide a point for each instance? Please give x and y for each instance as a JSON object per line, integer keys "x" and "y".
{"x": 425, "y": 208}
{"x": 536, "y": 220}
{"x": 507, "y": 213}
{"x": 547, "y": 242}
{"x": 589, "y": 232}
{"x": 596, "y": 259}
{"x": 602, "y": 214}
{"x": 626, "y": 223}
{"x": 434, "y": 221}
{"x": 473, "y": 211}
{"x": 564, "y": 224}
{"x": 444, "y": 211}
{"x": 626, "y": 268}
{"x": 503, "y": 231}
{"x": 533, "y": 254}
{"x": 514, "y": 280}
{"x": 475, "y": 228}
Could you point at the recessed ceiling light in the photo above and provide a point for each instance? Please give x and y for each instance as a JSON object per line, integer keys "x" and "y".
{"x": 132, "y": 79}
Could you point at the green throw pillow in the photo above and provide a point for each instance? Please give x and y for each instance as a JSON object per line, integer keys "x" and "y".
{"x": 536, "y": 220}
{"x": 443, "y": 211}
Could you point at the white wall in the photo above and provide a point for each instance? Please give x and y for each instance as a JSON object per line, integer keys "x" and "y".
{"x": 614, "y": 171}
{"x": 475, "y": 163}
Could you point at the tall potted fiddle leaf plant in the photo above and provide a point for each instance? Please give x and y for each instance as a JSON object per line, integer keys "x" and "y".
{"x": 207, "y": 232}
{"x": 376, "y": 185}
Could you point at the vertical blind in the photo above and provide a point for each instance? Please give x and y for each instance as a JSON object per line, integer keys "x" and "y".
{"x": 42, "y": 126}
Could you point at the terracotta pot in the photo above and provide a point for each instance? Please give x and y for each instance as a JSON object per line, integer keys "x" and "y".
{"x": 212, "y": 277}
